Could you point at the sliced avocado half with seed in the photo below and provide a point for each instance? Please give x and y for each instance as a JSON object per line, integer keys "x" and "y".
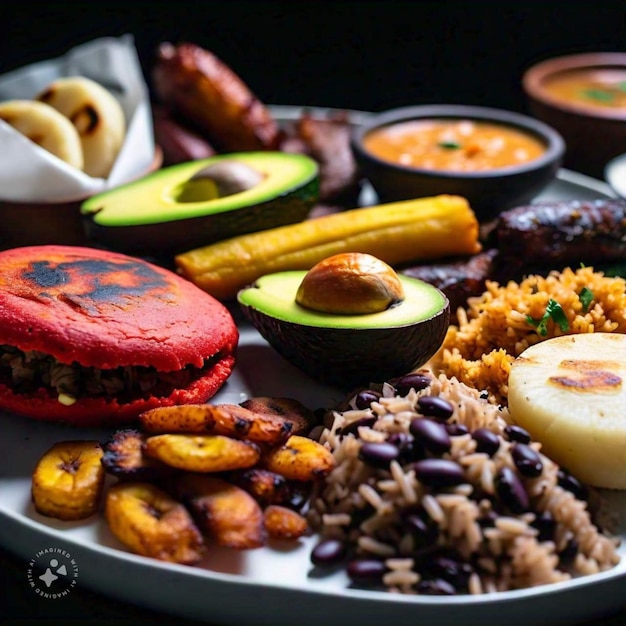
{"x": 193, "y": 204}
{"x": 348, "y": 350}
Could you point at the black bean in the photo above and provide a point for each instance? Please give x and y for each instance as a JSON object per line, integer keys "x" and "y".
{"x": 486, "y": 441}
{"x": 422, "y": 528}
{"x": 364, "y": 398}
{"x": 527, "y": 461}
{"x": 366, "y": 571}
{"x": 405, "y": 444}
{"x": 437, "y": 587}
{"x": 545, "y": 525}
{"x": 511, "y": 491}
{"x": 328, "y": 552}
{"x": 488, "y": 519}
{"x": 569, "y": 552}
{"x": 435, "y": 406}
{"x": 430, "y": 434}
{"x": 456, "y": 572}
{"x": 416, "y": 381}
{"x": 439, "y": 473}
{"x": 353, "y": 427}
{"x": 517, "y": 433}
{"x": 568, "y": 482}
{"x": 456, "y": 430}
{"x": 378, "y": 454}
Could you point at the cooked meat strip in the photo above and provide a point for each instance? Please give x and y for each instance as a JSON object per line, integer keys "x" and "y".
{"x": 458, "y": 278}
{"x": 327, "y": 141}
{"x": 558, "y": 234}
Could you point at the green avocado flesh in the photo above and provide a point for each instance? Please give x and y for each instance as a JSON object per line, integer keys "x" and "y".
{"x": 154, "y": 198}
{"x": 274, "y": 295}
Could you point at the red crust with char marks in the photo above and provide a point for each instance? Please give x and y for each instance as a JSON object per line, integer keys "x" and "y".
{"x": 105, "y": 310}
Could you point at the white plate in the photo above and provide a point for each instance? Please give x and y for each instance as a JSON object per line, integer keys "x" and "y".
{"x": 270, "y": 586}
{"x": 615, "y": 174}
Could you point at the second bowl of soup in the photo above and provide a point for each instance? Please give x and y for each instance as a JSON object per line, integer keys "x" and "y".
{"x": 495, "y": 158}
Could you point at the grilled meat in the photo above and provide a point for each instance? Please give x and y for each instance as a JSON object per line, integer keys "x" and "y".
{"x": 458, "y": 278}
{"x": 559, "y": 234}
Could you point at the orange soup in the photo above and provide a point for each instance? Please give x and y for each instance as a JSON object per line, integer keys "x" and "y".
{"x": 455, "y": 145}
{"x": 604, "y": 88}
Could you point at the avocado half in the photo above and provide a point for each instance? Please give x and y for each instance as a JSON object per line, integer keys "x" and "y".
{"x": 348, "y": 350}
{"x": 164, "y": 212}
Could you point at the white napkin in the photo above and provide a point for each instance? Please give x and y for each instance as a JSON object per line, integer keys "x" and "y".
{"x": 30, "y": 174}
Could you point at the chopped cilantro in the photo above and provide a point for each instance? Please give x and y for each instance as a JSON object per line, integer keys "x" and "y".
{"x": 600, "y": 95}
{"x": 449, "y": 145}
{"x": 554, "y": 311}
{"x": 586, "y": 297}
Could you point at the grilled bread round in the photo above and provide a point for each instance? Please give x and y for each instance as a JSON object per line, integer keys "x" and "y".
{"x": 90, "y": 337}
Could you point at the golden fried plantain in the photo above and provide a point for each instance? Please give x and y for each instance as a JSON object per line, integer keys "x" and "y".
{"x": 290, "y": 409}
{"x": 267, "y": 428}
{"x": 202, "y": 453}
{"x": 223, "y": 511}
{"x": 299, "y": 458}
{"x": 124, "y": 457}
{"x": 284, "y": 523}
{"x": 184, "y": 418}
{"x": 231, "y": 420}
{"x": 210, "y": 96}
{"x": 68, "y": 480}
{"x": 266, "y": 487}
{"x": 150, "y": 522}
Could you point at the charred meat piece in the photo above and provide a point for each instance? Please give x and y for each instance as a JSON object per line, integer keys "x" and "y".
{"x": 328, "y": 142}
{"x": 461, "y": 278}
{"x": 178, "y": 142}
{"x": 210, "y": 96}
{"x": 559, "y": 234}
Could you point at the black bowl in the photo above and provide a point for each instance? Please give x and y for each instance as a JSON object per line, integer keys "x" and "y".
{"x": 488, "y": 191}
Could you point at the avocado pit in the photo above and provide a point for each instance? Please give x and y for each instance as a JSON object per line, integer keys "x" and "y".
{"x": 219, "y": 180}
{"x": 350, "y": 283}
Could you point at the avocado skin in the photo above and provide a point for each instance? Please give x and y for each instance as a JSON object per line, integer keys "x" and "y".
{"x": 349, "y": 357}
{"x": 170, "y": 238}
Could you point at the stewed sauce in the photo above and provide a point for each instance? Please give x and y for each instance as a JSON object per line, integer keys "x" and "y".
{"x": 462, "y": 145}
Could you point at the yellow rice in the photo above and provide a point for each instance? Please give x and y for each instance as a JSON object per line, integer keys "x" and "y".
{"x": 494, "y": 329}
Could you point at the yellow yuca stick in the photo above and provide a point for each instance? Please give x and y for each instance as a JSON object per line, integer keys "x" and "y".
{"x": 398, "y": 232}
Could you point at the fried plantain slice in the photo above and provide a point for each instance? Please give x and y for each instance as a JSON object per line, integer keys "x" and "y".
{"x": 202, "y": 453}
{"x": 68, "y": 480}
{"x": 265, "y": 486}
{"x": 290, "y": 409}
{"x": 299, "y": 458}
{"x": 235, "y": 420}
{"x": 283, "y": 523}
{"x": 184, "y": 418}
{"x": 124, "y": 457}
{"x": 152, "y": 523}
{"x": 223, "y": 511}
{"x": 231, "y": 420}
{"x": 271, "y": 488}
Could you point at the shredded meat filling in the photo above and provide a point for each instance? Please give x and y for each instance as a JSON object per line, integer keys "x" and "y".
{"x": 25, "y": 372}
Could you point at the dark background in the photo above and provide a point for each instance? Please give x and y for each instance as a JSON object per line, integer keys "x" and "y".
{"x": 362, "y": 55}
